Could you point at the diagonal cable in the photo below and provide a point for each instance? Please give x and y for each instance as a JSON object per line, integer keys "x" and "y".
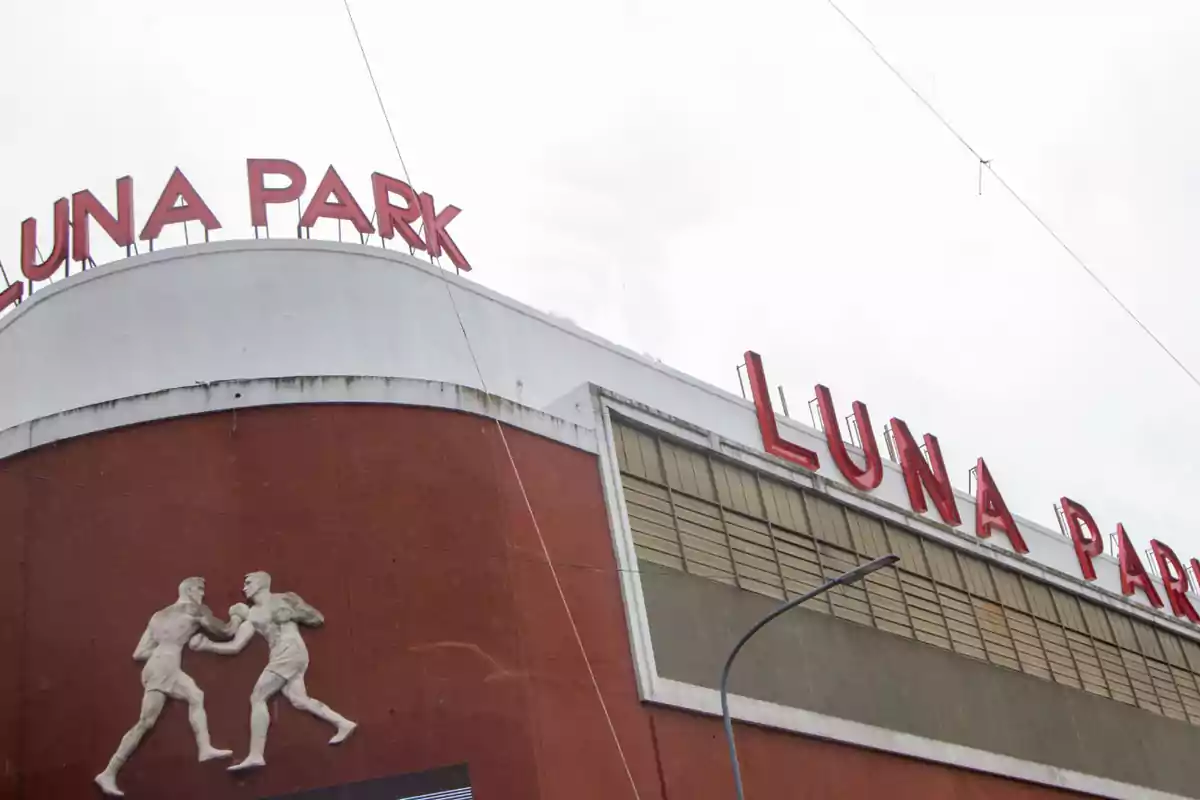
{"x": 507, "y": 449}
{"x": 375, "y": 85}
{"x": 1016, "y": 196}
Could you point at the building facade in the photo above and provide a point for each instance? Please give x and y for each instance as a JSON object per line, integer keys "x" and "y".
{"x": 530, "y": 551}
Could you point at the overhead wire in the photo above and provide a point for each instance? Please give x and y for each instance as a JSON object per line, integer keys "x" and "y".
{"x": 375, "y": 85}
{"x": 986, "y": 163}
{"x": 504, "y": 439}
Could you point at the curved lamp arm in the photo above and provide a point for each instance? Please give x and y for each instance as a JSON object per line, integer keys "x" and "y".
{"x": 854, "y": 575}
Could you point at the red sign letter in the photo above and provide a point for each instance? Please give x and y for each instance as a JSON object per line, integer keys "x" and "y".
{"x": 393, "y": 219}
{"x": 436, "y": 237}
{"x": 990, "y": 510}
{"x": 11, "y": 295}
{"x": 1133, "y": 574}
{"x": 1174, "y": 580}
{"x": 166, "y": 213}
{"x": 84, "y": 205}
{"x": 344, "y": 206}
{"x": 917, "y": 473}
{"x": 257, "y": 170}
{"x": 871, "y": 475}
{"x": 1085, "y": 548}
{"x": 58, "y": 256}
{"x": 772, "y": 442}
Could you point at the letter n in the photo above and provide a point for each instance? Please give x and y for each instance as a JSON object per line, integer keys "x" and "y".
{"x": 932, "y": 475}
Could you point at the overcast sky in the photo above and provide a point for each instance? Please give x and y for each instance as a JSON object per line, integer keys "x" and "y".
{"x": 694, "y": 179}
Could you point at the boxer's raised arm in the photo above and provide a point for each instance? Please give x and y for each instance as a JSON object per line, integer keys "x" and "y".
{"x": 214, "y": 627}
{"x": 245, "y": 633}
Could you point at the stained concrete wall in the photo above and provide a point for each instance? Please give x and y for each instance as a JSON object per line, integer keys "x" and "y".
{"x": 812, "y": 661}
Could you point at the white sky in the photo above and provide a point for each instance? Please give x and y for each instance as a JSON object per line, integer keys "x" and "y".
{"x": 693, "y": 179}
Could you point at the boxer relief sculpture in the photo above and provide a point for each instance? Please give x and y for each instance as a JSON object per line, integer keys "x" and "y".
{"x": 276, "y": 617}
{"x": 161, "y": 647}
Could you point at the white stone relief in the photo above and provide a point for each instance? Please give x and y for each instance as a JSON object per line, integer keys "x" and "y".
{"x": 161, "y": 647}
{"x": 276, "y": 617}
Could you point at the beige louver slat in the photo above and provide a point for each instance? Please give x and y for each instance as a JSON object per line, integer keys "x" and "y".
{"x": 1188, "y": 693}
{"x": 886, "y": 597}
{"x": 849, "y": 602}
{"x": 1164, "y": 687}
{"x": 1087, "y": 662}
{"x": 702, "y": 534}
{"x": 1139, "y": 679}
{"x": 652, "y": 523}
{"x": 799, "y": 565}
{"x": 929, "y": 624}
{"x": 1062, "y": 665}
{"x": 754, "y": 556}
{"x": 1115, "y": 675}
{"x": 960, "y": 620}
{"x": 997, "y": 639}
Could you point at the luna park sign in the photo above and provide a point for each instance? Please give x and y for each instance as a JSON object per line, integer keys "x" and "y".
{"x": 398, "y": 207}
{"x": 925, "y": 473}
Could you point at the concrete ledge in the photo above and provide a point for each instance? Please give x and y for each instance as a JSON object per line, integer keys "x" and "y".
{"x": 204, "y": 398}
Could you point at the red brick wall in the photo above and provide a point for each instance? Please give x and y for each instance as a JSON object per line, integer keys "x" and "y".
{"x": 445, "y": 636}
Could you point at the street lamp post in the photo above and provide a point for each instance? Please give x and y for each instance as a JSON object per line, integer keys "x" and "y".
{"x": 853, "y": 576}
